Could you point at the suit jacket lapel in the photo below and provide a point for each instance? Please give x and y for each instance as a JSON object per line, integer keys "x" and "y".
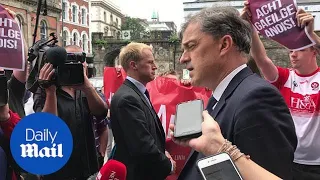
{"x": 237, "y": 79}
{"x": 154, "y": 114}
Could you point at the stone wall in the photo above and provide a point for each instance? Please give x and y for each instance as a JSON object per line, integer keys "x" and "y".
{"x": 167, "y": 54}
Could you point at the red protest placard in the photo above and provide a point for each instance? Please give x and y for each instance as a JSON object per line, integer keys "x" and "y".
{"x": 165, "y": 94}
{"x": 112, "y": 80}
{"x": 11, "y": 43}
{"x": 276, "y": 19}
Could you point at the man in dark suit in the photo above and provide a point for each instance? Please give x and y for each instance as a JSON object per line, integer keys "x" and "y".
{"x": 138, "y": 133}
{"x": 251, "y": 113}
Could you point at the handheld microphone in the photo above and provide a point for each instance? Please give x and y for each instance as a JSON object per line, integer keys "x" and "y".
{"x": 56, "y": 56}
{"x": 112, "y": 170}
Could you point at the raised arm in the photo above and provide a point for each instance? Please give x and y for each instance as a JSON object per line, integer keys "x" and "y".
{"x": 307, "y": 19}
{"x": 258, "y": 52}
{"x": 50, "y": 104}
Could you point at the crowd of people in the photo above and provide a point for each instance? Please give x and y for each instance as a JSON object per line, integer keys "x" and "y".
{"x": 273, "y": 120}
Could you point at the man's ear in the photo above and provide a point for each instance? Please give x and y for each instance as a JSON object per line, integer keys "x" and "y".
{"x": 133, "y": 65}
{"x": 226, "y": 43}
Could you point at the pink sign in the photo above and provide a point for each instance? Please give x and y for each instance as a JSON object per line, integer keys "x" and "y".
{"x": 11, "y": 42}
{"x": 276, "y": 19}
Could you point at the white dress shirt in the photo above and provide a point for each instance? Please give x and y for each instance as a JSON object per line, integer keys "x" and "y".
{"x": 225, "y": 82}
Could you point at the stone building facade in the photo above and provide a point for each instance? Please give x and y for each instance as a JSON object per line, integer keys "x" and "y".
{"x": 106, "y": 17}
{"x": 75, "y": 21}
{"x": 26, "y": 17}
{"x": 167, "y": 54}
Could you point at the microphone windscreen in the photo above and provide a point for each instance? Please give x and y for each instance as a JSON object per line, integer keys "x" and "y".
{"x": 112, "y": 170}
{"x": 56, "y": 55}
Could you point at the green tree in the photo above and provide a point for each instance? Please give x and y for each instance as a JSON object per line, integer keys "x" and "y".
{"x": 174, "y": 38}
{"x": 133, "y": 24}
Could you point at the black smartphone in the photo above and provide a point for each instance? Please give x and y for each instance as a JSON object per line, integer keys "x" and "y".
{"x": 3, "y": 90}
{"x": 188, "y": 120}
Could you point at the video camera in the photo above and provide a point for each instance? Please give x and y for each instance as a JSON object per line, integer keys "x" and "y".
{"x": 3, "y": 89}
{"x": 68, "y": 66}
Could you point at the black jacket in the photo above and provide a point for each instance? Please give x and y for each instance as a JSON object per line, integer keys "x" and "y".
{"x": 138, "y": 134}
{"x": 253, "y": 115}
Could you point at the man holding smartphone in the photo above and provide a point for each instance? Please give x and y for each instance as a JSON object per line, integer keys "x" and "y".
{"x": 137, "y": 130}
{"x": 251, "y": 113}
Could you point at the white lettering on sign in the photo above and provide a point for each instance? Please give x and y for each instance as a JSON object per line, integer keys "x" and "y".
{"x": 268, "y": 8}
{"x": 162, "y": 114}
{"x": 110, "y": 97}
{"x": 275, "y": 19}
{"x": 8, "y": 37}
{"x": 6, "y": 22}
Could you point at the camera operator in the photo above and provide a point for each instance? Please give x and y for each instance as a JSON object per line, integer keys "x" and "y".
{"x": 76, "y": 105}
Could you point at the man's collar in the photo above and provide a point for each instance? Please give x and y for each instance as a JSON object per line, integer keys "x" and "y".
{"x": 225, "y": 82}
{"x": 138, "y": 84}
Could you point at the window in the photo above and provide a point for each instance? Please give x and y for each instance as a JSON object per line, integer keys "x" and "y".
{"x": 105, "y": 16}
{"x": 117, "y": 22}
{"x": 306, "y": 8}
{"x": 64, "y": 10}
{"x": 64, "y": 38}
{"x": 111, "y": 19}
{"x": 83, "y": 16}
{"x": 119, "y": 35}
{"x": 84, "y": 42}
{"x": 106, "y": 29}
{"x": 74, "y": 13}
{"x": 43, "y": 29}
{"x": 75, "y": 39}
{"x": 113, "y": 33}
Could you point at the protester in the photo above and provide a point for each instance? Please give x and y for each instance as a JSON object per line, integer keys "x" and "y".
{"x": 16, "y": 83}
{"x": 76, "y": 105}
{"x": 299, "y": 86}
{"x": 8, "y": 120}
{"x": 8, "y": 167}
{"x": 10, "y": 114}
{"x": 138, "y": 134}
{"x": 28, "y": 96}
{"x": 3, "y": 163}
{"x": 251, "y": 113}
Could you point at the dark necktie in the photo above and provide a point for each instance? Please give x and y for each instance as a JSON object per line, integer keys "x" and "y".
{"x": 212, "y": 101}
{"x": 147, "y": 94}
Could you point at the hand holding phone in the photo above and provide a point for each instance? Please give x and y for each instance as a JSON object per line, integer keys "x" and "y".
{"x": 188, "y": 120}
{"x": 218, "y": 167}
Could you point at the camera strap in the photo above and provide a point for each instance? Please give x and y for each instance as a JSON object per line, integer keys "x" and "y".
{"x": 32, "y": 82}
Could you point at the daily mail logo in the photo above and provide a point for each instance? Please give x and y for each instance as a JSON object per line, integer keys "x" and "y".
{"x": 32, "y": 150}
{"x": 41, "y": 143}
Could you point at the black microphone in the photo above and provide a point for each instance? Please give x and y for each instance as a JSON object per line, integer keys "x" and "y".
{"x": 56, "y": 56}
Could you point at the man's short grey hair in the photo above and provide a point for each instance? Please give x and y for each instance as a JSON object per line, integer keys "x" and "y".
{"x": 221, "y": 21}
